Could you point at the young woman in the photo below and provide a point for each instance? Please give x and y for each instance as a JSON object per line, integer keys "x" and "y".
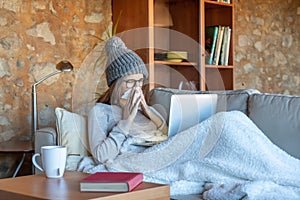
{"x": 226, "y": 149}
{"x": 114, "y": 119}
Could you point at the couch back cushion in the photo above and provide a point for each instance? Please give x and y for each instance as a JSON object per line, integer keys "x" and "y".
{"x": 278, "y": 116}
{"x": 228, "y": 100}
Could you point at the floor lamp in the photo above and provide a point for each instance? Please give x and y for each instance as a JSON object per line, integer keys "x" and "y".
{"x": 63, "y": 66}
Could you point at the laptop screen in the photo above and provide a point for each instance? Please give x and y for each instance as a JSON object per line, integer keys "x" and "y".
{"x": 187, "y": 110}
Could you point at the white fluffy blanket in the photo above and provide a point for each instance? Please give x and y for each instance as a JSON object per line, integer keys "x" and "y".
{"x": 224, "y": 157}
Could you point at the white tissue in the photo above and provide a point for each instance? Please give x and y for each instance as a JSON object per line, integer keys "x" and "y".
{"x": 127, "y": 93}
{"x": 137, "y": 95}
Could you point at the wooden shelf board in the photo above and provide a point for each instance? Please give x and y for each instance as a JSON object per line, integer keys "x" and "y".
{"x": 161, "y": 62}
{"x": 218, "y": 3}
{"x": 219, "y": 66}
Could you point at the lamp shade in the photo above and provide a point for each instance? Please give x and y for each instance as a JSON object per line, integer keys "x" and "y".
{"x": 64, "y": 66}
{"x": 162, "y": 15}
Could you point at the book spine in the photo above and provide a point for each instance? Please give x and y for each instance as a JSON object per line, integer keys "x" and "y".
{"x": 135, "y": 182}
{"x": 224, "y": 46}
{"x": 218, "y": 46}
{"x": 228, "y": 46}
{"x": 213, "y": 46}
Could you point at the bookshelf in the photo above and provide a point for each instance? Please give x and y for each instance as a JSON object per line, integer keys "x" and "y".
{"x": 218, "y": 76}
{"x": 142, "y": 30}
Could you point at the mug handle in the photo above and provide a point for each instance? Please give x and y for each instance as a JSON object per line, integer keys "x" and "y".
{"x": 35, "y": 163}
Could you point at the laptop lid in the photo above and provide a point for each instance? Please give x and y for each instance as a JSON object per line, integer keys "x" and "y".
{"x": 187, "y": 110}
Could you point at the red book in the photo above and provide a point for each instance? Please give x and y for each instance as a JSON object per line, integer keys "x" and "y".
{"x": 111, "y": 182}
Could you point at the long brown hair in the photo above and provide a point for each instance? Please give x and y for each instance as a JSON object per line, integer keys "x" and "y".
{"x": 105, "y": 97}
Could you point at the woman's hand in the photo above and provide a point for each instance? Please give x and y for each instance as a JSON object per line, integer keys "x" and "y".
{"x": 131, "y": 106}
{"x": 148, "y": 112}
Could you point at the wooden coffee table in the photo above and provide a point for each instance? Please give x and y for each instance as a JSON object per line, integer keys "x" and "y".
{"x": 67, "y": 187}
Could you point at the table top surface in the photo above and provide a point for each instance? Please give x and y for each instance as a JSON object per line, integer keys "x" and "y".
{"x": 17, "y": 145}
{"x": 68, "y": 187}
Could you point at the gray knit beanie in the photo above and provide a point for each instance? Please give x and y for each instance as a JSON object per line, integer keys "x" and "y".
{"x": 122, "y": 61}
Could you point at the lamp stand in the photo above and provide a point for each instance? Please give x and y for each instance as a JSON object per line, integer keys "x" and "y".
{"x": 62, "y": 66}
{"x": 34, "y": 101}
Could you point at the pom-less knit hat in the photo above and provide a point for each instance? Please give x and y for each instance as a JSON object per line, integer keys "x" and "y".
{"x": 122, "y": 61}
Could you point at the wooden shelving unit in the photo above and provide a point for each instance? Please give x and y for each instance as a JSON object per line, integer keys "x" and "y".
{"x": 213, "y": 13}
{"x": 138, "y": 19}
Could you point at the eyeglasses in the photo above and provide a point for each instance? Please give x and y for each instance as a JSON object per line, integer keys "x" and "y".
{"x": 132, "y": 82}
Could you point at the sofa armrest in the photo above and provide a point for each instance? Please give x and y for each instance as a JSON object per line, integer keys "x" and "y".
{"x": 278, "y": 116}
{"x": 43, "y": 137}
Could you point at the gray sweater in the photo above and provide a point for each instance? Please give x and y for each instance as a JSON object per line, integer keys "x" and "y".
{"x": 107, "y": 132}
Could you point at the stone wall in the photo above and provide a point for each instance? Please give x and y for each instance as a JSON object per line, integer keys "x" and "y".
{"x": 34, "y": 37}
{"x": 267, "y": 45}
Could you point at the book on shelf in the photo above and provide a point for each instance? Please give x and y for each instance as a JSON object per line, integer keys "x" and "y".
{"x": 216, "y": 56}
{"x": 228, "y": 46}
{"x": 217, "y": 44}
{"x": 226, "y": 1}
{"x": 171, "y": 56}
{"x": 225, "y": 46}
{"x": 111, "y": 182}
{"x": 211, "y": 34}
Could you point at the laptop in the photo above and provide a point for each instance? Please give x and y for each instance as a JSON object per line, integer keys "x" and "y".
{"x": 187, "y": 110}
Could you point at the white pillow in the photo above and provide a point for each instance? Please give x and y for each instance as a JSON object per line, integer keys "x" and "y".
{"x": 72, "y": 132}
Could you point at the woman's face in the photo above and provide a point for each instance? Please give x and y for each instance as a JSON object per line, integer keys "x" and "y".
{"x": 123, "y": 85}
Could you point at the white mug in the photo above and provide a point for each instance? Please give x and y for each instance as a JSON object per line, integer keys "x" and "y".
{"x": 53, "y": 159}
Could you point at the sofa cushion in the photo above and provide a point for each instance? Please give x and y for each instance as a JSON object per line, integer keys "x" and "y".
{"x": 72, "y": 132}
{"x": 278, "y": 116}
{"x": 228, "y": 100}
